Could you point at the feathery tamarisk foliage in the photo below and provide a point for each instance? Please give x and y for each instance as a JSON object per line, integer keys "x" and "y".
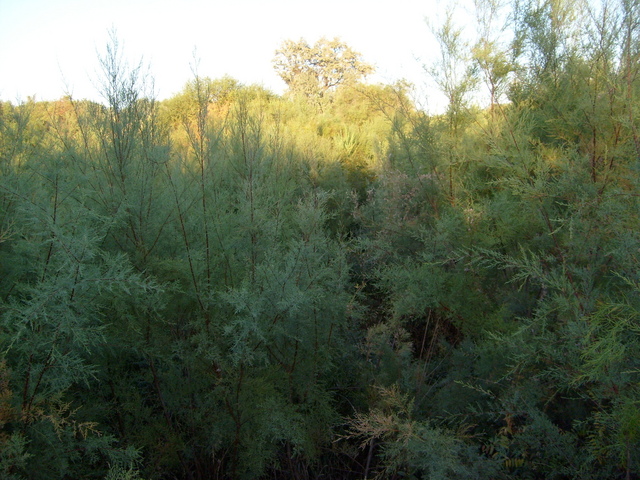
{"x": 234, "y": 284}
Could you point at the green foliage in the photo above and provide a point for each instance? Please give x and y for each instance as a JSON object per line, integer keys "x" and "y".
{"x": 231, "y": 284}
{"x": 415, "y": 449}
{"x": 314, "y": 71}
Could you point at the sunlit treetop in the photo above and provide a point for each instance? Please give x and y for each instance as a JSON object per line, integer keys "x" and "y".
{"x": 313, "y": 71}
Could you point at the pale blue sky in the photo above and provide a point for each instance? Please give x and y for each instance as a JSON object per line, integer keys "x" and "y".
{"x": 45, "y": 43}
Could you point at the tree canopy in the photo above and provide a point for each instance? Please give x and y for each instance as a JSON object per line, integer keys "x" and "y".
{"x": 313, "y": 71}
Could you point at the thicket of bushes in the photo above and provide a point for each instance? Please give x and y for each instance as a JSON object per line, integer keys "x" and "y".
{"x": 234, "y": 284}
